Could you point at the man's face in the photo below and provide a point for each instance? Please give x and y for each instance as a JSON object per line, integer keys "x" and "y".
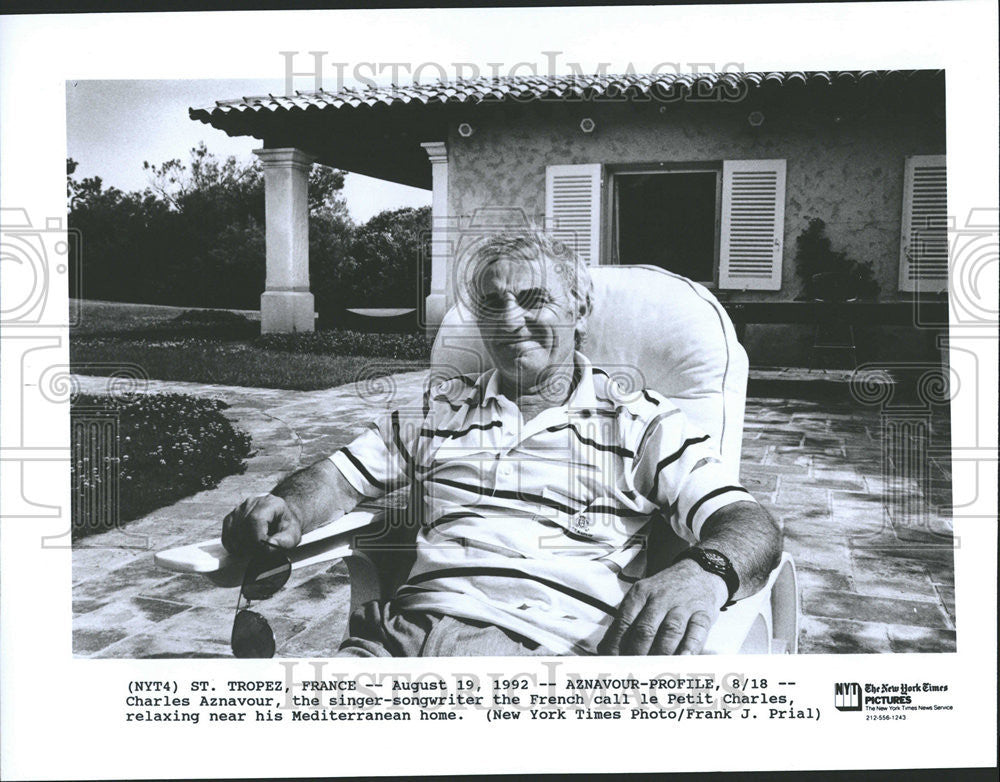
{"x": 527, "y": 319}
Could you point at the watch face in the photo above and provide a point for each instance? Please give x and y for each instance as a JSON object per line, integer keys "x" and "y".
{"x": 717, "y": 563}
{"x": 714, "y": 562}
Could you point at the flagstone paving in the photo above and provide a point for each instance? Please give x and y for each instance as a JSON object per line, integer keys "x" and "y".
{"x": 873, "y": 549}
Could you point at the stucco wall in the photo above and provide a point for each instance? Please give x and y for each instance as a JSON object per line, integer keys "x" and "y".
{"x": 844, "y": 166}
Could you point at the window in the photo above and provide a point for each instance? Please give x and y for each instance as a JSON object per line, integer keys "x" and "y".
{"x": 668, "y": 219}
{"x": 708, "y": 222}
{"x": 923, "y": 247}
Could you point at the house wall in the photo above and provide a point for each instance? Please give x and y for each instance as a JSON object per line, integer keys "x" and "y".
{"x": 844, "y": 166}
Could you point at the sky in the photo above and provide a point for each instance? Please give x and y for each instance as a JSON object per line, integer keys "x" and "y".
{"x": 113, "y": 126}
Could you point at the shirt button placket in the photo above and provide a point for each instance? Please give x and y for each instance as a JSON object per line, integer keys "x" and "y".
{"x": 503, "y": 470}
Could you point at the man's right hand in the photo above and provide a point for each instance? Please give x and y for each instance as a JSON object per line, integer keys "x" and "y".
{"x": 262, "y": 518}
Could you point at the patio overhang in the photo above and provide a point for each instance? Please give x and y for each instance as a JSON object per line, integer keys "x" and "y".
{"x": 401, "y": 134}
{"x": 377, "y": 131}
{"x": 377, "y": 141}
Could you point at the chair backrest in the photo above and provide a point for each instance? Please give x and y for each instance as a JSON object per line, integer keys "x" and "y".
{"x": 650, "y": 328}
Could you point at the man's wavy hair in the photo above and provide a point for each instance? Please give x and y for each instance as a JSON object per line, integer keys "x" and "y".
{"x": 532, "y": 246}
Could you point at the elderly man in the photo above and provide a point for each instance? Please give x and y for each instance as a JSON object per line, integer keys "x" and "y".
{"x": 540, "y": 481}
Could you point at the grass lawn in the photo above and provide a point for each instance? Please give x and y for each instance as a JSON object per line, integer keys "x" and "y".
{"x": 172, "y": 445}
{"x": 226, "y": 348}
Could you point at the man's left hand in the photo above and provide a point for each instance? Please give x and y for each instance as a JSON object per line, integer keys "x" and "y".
{"x": 668, "y": 613}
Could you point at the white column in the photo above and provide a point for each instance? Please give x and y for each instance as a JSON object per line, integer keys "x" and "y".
{"x": 286, "y": 304}
{"x": 436, "y": 303}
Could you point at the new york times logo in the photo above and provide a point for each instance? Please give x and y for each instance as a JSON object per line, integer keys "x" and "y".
{"x": 847, "y": 696}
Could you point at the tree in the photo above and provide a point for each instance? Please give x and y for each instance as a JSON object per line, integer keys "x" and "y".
{"x": 194, "y": 237}
{"x": 393, "y": 248}
{"x": 384, "y": 264}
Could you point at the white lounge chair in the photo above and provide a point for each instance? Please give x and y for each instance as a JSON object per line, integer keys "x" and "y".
{"x": 649, "y": 329}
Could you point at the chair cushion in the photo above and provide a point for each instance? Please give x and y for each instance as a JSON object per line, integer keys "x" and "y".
{"x": 649, "y": 329}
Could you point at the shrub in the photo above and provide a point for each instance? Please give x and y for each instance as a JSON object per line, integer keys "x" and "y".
{"x": 218, "y": 317}
{"x": 231, "y": 363}
{"x": 169, "y": 446}
{"x": 343, "y": 342}
{"x": 215, "y": 325}
{"x": 829, "y": 274}
{"x": 333, "y": 270}
{"x": 209, "y": 324}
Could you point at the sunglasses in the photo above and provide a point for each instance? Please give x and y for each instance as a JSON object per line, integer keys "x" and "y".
{"x": 267, "y": 572}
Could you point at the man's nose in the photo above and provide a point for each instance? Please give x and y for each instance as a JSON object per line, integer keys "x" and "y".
{"x": 511, "y": 315}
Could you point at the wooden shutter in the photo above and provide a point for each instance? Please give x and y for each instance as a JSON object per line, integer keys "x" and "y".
{"x": 753, "y": 224}
{"x": 573, "y": 208}
{"x": 923, "y": 246}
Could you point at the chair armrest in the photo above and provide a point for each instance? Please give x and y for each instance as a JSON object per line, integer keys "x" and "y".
{"x": 329, "y": 542}
{"x": 744, "y": 628}
{"x": 748, "y": 626}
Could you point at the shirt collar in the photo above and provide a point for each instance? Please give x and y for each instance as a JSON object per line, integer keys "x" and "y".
{"x": 583, "y": 396}
{"x": 489, "y": 385}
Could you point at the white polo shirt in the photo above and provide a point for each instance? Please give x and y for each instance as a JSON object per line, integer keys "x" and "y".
{"x": 538, "y": 527}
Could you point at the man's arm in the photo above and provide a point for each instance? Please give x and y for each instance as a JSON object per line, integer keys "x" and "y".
{"x": 318, "y": 494}
{"x": 305, "y": 499}
{"x": 749, "y": 538}
{"x": 672, "y": 611}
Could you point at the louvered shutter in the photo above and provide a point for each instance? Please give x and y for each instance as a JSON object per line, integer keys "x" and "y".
{"x": 573, "y": 208}
{"x": 753, "y": 224}
{"x": 923, "y": 246}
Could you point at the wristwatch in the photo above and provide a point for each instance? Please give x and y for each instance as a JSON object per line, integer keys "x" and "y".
{"x": 716, "y": 563}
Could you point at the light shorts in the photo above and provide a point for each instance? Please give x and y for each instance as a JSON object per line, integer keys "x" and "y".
{"x": 378, "y": 631}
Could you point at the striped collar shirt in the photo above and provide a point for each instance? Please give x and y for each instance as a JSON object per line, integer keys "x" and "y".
{"x": 539, "y": 527}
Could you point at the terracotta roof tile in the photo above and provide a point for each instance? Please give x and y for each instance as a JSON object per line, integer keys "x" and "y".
{"x": 531, "y": 88}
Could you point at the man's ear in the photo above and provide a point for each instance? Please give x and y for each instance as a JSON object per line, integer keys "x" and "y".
{"x": 581, "y": 331}
{"x": 586, "y": 299}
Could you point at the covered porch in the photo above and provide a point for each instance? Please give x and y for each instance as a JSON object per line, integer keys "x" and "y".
{"x": 350, "y": 131}
{"x": 564, "y": 151}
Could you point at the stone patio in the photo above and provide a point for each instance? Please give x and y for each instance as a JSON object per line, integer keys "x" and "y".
{"x": 874, "y": 549}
